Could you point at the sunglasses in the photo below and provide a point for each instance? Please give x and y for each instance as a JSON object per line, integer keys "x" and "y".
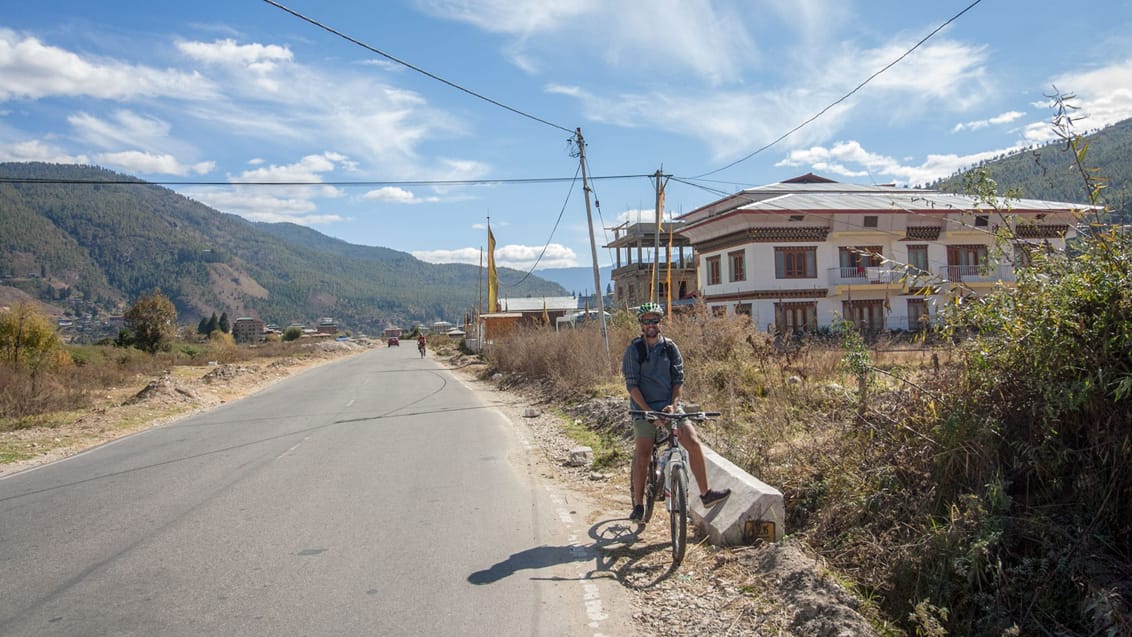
{"x": 650, "y": 321}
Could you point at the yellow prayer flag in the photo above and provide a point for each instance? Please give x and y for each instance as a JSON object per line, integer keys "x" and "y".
{"x": 492, "y": 281}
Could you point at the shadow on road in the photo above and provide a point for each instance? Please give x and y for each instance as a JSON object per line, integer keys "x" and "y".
{"x": 617, "y": 551}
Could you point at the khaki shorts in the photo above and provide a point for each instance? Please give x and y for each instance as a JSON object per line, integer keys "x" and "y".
{"x": 643, "y": 428}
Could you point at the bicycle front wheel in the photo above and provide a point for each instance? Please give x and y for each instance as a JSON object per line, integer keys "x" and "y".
{"x": 678, "y": 513}
{"x": 653, "y": 488}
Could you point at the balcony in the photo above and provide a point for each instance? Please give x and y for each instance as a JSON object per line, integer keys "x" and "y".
{"x": 863, "y": 276}
{"x": 636, "y": 268}
{"x": 977, "y": 273}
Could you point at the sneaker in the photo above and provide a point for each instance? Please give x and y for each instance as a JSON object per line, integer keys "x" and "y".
{"x": 713, "y": 497}
{"x": 638, "y": 513}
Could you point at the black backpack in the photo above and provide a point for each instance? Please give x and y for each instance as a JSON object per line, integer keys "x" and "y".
{"x": 643, "y": 349}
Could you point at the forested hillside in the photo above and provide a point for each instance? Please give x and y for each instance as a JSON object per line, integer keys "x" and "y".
{"x": 92, "y": 248}
{"x": 1050, "y": 171}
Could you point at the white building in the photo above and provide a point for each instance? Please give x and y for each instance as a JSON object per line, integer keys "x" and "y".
{"x": 799, "y": 254}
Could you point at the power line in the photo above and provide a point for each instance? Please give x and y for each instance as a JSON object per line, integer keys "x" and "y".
{"x": 343, "y": 184}
{"x": 416, "y": 68}
{"x": 843, "y": 97}
{"x": 553, "y": 230}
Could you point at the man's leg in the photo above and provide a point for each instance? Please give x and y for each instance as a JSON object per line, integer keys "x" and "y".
{"x": 690, "y": 440}
{"x": 642, "y": 453}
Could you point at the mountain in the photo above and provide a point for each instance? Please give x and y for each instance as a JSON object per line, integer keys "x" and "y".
{"x": 91, "y": 241}
{"x": 1050, "y": 172}
{"x": 578, "y": 281}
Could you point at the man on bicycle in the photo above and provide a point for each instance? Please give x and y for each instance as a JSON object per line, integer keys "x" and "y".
{"x": 655, "y": 383}
{"x": 422, "y": 344}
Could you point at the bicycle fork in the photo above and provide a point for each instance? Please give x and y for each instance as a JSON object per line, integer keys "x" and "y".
{"x": 671, "y": 459}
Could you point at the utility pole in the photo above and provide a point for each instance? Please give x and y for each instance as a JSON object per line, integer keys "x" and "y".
{"x": 654, "y": 295}
{"x": 593, "y": 244}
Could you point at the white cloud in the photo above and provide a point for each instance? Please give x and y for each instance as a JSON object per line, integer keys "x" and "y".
{"x": 515, "y": 256}
{"x": 392, "y": 194}
{"x": 30, "y": 69}
{"x": 724, "y": 121}
{"x": 258, "y": 57}
{"x": 125, "y": 128}
{"x": 148, "y": 163}
{"x": 850, "y": 159}
{"x": 1004, "y": 118}
{"x": 663, "y": 34}
{"x": 261, "y": 204}
{"x": 37, "y": 150}
{"x": 1103, "y": 95}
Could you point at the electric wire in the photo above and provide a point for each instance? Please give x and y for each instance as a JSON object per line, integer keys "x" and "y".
{"x": 843, "y": 97}
{"x": 343, "y": 184}
{"x": 415, "y": 68}
{"x": 552, "y": 231}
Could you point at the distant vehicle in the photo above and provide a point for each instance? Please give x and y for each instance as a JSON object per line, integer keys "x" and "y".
{"x": 393, "y": 342}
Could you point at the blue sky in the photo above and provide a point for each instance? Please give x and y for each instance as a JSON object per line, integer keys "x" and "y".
{"x": 211, "y": 91}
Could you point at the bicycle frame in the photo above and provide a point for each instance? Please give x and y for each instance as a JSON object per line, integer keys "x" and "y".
{"x": 673, "y": 460}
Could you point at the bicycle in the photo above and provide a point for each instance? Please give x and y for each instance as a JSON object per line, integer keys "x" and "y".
{"x": 667, "y": 477}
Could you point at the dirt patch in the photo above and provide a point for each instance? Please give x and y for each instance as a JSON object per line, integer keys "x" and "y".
{"x": 769, "y": 589}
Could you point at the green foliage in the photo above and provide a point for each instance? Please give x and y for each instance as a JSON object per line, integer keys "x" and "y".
{"x": 223, "y": 325}
{"x": 292, "y": 333}
{"x": 153, "y": 320}
{"x": 28, "y": 340}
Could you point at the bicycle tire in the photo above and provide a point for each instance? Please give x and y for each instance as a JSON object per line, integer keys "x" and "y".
{"x": 652, "y": 488}
{"x": 678, "y": 516}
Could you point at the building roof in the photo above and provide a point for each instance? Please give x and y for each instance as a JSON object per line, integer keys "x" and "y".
{"x": 532, "y": 303}
{"x": 810, "y": 194}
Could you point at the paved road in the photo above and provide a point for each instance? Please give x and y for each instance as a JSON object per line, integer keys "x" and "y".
{"x": 375, "y": 495}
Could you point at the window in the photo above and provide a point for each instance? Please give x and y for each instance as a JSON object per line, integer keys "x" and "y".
{"x": 867, "y": 315}
{"x": 966, "y": 261}
{"x": 1022, "y": 257}
{"x": 854, "y": 260}
{"x": 794, "y": 318}
{"x": 797, "y": 217}
{"x": 918, "y": 257}
{"x": 743, "y": 309}
{"x": 719, "y": 310}
{"x": 918, "y": 317}
{"x": 981, "y": 221}
{"x": 870, "y": 221}
{"x": 713, "y": 275}
{"x": 796, "y": 263}
{"x": 738, "y": 268}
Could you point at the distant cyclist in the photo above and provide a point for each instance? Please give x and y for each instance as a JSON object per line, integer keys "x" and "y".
{"x": 422, "y": 345}
{"x": 655, "y": 381}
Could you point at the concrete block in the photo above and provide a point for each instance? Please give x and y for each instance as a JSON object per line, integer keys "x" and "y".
{"x": 754, "y": 511}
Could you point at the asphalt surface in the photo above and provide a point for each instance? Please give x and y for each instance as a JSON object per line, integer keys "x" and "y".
{"x": 374, "y": 495}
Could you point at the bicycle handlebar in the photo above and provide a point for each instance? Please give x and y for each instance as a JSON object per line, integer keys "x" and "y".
{"x": 664, "y": 415}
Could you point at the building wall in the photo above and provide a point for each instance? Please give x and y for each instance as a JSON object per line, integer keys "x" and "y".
{"x": 835, "y": 289}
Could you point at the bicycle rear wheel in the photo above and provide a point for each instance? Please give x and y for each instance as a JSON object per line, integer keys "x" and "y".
{"x": 678, "y": 513}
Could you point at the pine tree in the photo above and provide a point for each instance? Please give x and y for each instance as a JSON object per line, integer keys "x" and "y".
{"x": 224, "y": 325}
